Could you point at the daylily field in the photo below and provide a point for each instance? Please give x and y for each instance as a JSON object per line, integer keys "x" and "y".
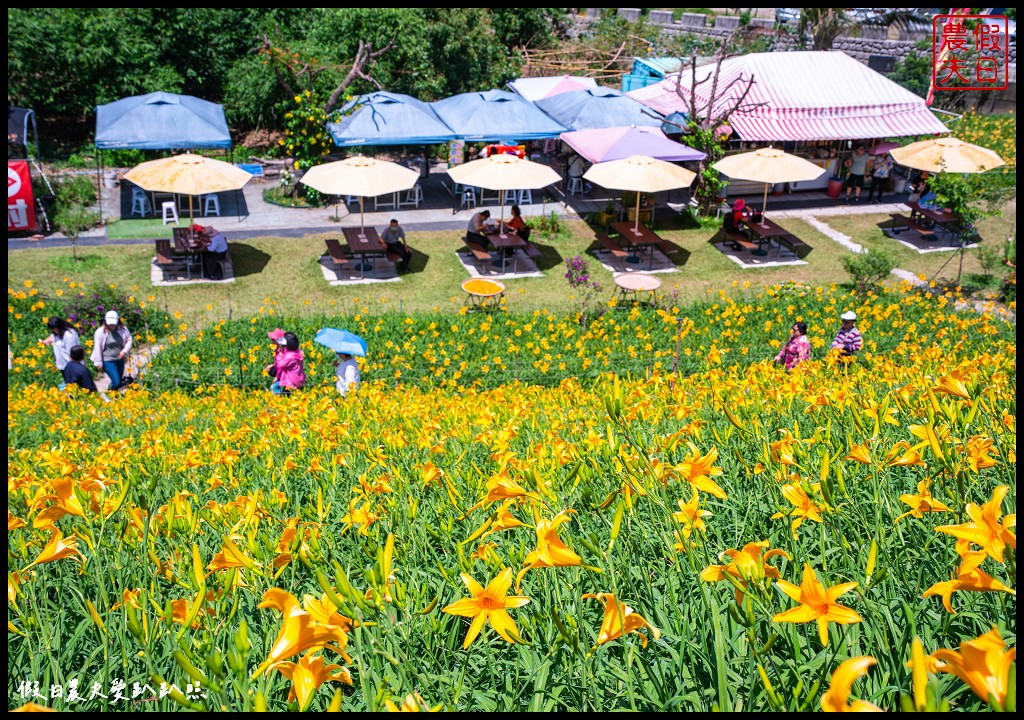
{"x": 498, "y": 521}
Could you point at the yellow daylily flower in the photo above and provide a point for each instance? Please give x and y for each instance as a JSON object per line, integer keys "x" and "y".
{"x": 982, "y": 664}
{"x": 921, "y": 503}
{"x": 308, "y": 674}
{"x": 860, "y": 453}
{"x": 698, "y": 470}
{"x": 502, "y": 487}
{"x": 988, "y": 529}
{"x": 691, "y": 517}
{"x": 361, "y": 516}
{"x": 803, "y": 506}
{"x": 620, "y": 619}
{"x": 551, "y": 551}
{"x": 410, "y": 703}
{"x": 231, "y": 557}
{"x": 978, "y": 449}
{"x": 903, "y": 455}
{"x": 969, "y": 576}
{"x": 748, "y": 566}
{"x": 782, "y": 450}
{"x": 953, "y": 384}
{"x": 817, "y": 603}
{"x": 836, "y": 699}
{"x": 58, "y": 548}
{"x": 490, "y": 603}
{"x": 505, "y": 520}
{"x": 300, "y": 631}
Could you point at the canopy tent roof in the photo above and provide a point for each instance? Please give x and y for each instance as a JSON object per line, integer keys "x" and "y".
{"x": 384, "y": 118}
{"x": 536, "y": 88}
{"x": 18, "y": 122}
{"x": 599, "y": 107}
{"x": 161, "y": 121}
{"x": 495, "y": 115}
{"x": 808, "y": 95}
{"x": 604, "y": 144}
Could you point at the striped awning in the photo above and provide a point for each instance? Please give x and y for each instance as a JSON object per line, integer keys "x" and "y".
{"x": 799, "y": 96}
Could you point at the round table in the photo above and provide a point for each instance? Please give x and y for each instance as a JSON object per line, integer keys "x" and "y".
{"x": 483, "y": 293}
{"x": 631, "y": 284}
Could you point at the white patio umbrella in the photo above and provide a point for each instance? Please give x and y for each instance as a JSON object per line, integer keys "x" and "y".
{"x": 502, "y": 173}
{"x": 362, "y": 176}
{"x": 640, "y": 173}
{"x": 187, "y": 174}
{"x": 947, "y": 154}
{"x": 768, "y": 165}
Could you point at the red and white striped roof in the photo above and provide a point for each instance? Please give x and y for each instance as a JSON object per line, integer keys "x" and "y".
{"x": 807, "y": 95}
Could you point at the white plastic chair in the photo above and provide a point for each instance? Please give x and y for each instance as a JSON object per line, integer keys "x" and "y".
{"x": 413, "y": 197}
{"x": 140, "y": 202}
{"x": 211, "y": 205}
{"x": 170, "y": 212}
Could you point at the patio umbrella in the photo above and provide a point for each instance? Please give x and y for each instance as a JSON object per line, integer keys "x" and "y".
{"x": 341, "y": 341}
{"x": 947, "y": 154}
{"x": 188, "y": 174}
{"x": 362, "y": 176}
{"x": 883, "y": 148}
{"x": 768, "y": 165}
{"x": 504, "y": 172}
{"x": 640, "y": 173}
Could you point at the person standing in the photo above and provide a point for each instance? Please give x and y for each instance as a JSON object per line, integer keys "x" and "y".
{"x": 797, "y": 348}
{"x": 110, "y": 346}
{"x": 76, "y": 373}
{"x": 348, "y": 373}
{"x": 880, "y": 177}
{"x": 858, "y": 165}
{"x": 394, "y": 238}
{"x": 848, "y": 341}
{"x": 288, "y": 367}
{"x": 62, "y": 338}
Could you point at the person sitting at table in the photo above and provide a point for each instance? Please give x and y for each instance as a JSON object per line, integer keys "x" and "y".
{"x": 479, "y": 227}
{"x": 394, "y": 238}
{"x": 517, "y": 225}
{"x": 216, "y": 251}
{"x": 735, "y": 218}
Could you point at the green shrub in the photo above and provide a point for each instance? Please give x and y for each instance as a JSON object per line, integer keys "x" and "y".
{"x": 990, "y": 258}
{"x": 868, "y": 269}
{"x": 74, "y": 190}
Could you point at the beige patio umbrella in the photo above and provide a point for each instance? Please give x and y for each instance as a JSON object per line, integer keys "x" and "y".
{"x": 947, "y": 154}
{"x": 640, "y": 173}
{"x": 502, "y": 173}
{"x": 768, "y": 165}
{"x": 362, "y": 176}
{"x": 188, "y": 174}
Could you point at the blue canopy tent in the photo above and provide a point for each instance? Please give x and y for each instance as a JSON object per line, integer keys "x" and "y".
{"x": 384, "y": 118}
{"x": 494, "y": 116}
{"x": 599, "y": 107}
{"x": 159, "y": 121}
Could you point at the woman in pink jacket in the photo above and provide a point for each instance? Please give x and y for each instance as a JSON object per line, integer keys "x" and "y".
{"x": 288, "y": 367}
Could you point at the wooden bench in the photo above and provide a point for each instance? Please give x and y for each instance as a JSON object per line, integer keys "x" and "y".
{"x": 336, "y": 252}
{"x": 738, "y": 241}
{"x": 164, "y": 258}
{"x": 394, "y": 257}
{"x": 532, "y": 250}
{"x": 794, "y": 243}
{"x": 906, "y": 222}
{"x": 611, "y": 246}
{"x": 667, "y": 248}
{"x": 478, "y": 250}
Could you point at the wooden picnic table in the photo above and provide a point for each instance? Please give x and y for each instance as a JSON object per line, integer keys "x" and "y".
{"x": 363, "y": 241}
{"x": 636, "y": 239}
{"x": 763, "y": 232}
{"x": 940, "y": 220}
{"x": 506, "y": 241}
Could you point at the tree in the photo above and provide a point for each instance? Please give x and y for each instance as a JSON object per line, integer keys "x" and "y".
{"x": 73, "y": 220}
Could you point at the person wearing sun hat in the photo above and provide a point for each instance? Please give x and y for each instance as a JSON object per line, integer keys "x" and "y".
{"x": 111, "y": 344}
{"x": 848, "y": 340}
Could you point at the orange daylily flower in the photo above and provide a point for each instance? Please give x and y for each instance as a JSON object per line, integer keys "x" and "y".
{"x": 691, "y": 517}
{"x": 64, "y": 500}
{"x": 502, "y": 487}
{"x": 747, "y": 566}
{"x": 698, "y": 470}
{"x": 505, "y": 520}
{"x": 13, "y": 523}
{"x": 987, "y": 530}
{"x": 33, "y": 707}
{"x": 921, "y": 503}
{"x": 782, "y": 450}
{"x": 953, "y": 384}
{"x": 817, "y": 603}
{"x": 58, "y": 548}
{"x": 978, "y": 449}
{"x": 551, "y": 551}
{"x": 620, "y": 619}
{"x": 803, "y": 506}
{"x": 903, "y": 455}
{"x": 431, "y": 473}
{"x": 361, "y": 516}
{"x": 490, "y": 603}
{"x": 231, "y": 557}
{"x": 860, "y": 453}
{"x": 308, "y": 674}
{"x": 300, "y": 629}
{"x": 836, "y": 699}
{"x": 969, "y": 576}
{"x": 982, "y": 664}
{"x": 410, "y": 703}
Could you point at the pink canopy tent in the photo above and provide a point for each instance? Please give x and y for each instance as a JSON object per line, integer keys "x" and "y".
{"x": 809, "y": 95}
{"x": 616, "y": 143}
{"x": 542, "y": 87}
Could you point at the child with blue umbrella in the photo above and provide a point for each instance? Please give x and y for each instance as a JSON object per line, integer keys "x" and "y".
{"x": 346, "y": 346}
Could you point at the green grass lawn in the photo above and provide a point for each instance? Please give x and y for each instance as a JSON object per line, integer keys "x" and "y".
{"x": 281, "y": 275}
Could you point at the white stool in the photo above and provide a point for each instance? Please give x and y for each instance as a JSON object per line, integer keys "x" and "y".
{"x": 170, "y": 210}
{"x": 526, "y": 197}
{"x": 468, "y": 197}
{"x": 414, "y": 197}
{"x": 211, "y": 205}
{"x": 140, "y": 202}
{"x": 575, "y": 185}
{"x": 349, "y": 199}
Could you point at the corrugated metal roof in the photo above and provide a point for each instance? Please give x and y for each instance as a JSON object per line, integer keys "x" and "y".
{"x": 660, "y": 66}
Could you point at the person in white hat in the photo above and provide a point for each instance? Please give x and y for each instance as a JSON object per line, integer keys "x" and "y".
{"x": 110, "y": 346}
{"x": 848, "y": 340}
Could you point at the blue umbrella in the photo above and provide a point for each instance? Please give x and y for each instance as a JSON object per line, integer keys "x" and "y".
{"x": 341, "y": 341}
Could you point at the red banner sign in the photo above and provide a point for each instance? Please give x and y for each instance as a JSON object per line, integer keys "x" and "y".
{"x": 21, "y": 210}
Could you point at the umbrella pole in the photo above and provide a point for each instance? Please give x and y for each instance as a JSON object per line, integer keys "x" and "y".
{"x": 362, "y": 223}
{"x": 636, "y": 226}
{"x": 501, "y": 222}
{"x": 764, "y": 203}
